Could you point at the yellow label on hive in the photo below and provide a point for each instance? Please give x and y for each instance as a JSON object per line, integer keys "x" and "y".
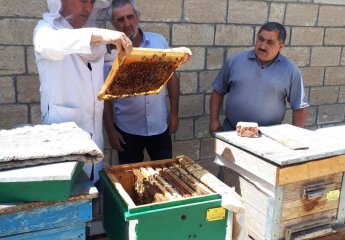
{"x": 214, "y": 214}
{"x": 333, "y": 195}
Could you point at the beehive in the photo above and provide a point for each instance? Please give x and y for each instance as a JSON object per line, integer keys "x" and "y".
{"x": 144, "y": 71}
{"x": 291, "y": 180}
{"x": 164, "y": 200}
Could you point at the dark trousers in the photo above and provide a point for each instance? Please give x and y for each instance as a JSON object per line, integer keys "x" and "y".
{"x": 157, "y": 146}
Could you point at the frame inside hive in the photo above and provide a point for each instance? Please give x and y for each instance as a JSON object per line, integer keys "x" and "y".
{"x": 144, "y": 71}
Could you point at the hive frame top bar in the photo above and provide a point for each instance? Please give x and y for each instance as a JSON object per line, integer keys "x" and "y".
{"x": 139, "y": 56}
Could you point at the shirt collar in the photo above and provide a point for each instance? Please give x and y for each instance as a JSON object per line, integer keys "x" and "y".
{"x": 146, "y": 41}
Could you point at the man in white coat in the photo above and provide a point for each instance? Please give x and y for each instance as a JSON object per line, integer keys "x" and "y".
{"x": 70, "y": 58}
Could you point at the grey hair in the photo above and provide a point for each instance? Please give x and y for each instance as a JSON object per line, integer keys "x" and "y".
{"x": 121, "y": 3}
{"x": 275, "y": 27}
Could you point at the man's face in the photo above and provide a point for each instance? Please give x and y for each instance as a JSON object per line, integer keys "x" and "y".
{"x": 267, "y": 46}
{"x": 77, "y": 12}
{"x": 125, "y": 19}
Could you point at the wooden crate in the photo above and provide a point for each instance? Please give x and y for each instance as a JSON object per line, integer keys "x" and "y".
{"x": 196, "y": 217}
{"x": 47, "y": 182}
{"x": 290, "y": 179}
{"x": 50, "y": 220}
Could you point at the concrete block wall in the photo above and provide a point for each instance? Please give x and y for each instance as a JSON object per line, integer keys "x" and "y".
{"x": 213, "y": 30}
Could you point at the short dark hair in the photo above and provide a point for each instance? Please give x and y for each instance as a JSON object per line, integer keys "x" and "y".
{"x": 275, "y": 27}
{"x": 121, "y": 3}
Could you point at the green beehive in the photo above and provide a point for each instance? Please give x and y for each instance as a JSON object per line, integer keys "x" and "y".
{"x": 48, "y": 182}
{"x": 198, "y": 217}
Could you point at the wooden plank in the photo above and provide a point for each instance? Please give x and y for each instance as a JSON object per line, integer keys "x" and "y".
{"x": 255, "y": 222}
{"x": 125, "y": 167}
{"x": 71, "y": 232}
{"x": 46, "y": 172}
{"x": 310, "y": 170}
{"x": 287, "y": 137}
{"x": 37, "y": 219}
{"x": 274, "y": 214}
{"x": 341, "y": 209}
{"x": 83, "y": 190}
{"x": 294, "y": 191}
{"x": 257, "y": 166}
{"x": 301, "y": 211}
{"x": 291, "y": 222}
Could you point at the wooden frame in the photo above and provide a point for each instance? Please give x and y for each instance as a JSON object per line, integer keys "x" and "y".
{"x": 144, "y": 71}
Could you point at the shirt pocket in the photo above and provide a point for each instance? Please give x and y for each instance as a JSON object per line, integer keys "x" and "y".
{"x": 60, "y": 114}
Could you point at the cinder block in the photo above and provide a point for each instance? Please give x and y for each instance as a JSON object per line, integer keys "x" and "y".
{"x": 331, "y": 113}
{"x": 7, "y": 92}
{"x": 185, "y": 130}
{"x": 201, "y": 127}
{"x": 331, "y": 16}
{"x": 313, "y": 76}
{"x": 234, "y": 35}
{"x": 188, "y": 83}
{"x": 191, "y": 105}
{"x": 301, "y": 14}
{"x": 35, "y": 113}
{"x": 28, "y": 88}
{"x": 335, "y": 76}
{"x": 214, "y": 58}
{"x": 247, "y": 12}
{"x": 325, "y": 56}
{"x": 300, "y": 55}
{"x": 197, "y": 62}
{"x": 335, "y": 36}
{"x": 160, "y": 10}
{"x": 277, "y": 11}
{"x": 192, "y": 34}
{"x": 12, "y": 60}
{"x": 307, "y": 36}
{"x": 187, "y": 148}
{"x": 323, "y": 95}
{"x": 16, "y": 31}
{"x": 206, "y": 80}
{"x": 13, "y": 115}
{"x": 194, "y": 11}
{"x": 20, "y": 8}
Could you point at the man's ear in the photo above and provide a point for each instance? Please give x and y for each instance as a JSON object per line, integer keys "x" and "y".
{"x": 282, "y": 45}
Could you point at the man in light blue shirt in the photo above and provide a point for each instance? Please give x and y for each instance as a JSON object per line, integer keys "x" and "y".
{"x": 142, "y": 122}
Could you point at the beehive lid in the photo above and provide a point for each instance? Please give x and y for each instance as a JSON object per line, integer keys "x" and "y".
{"x": 40, "y": 144}
{"x": 144, "y": 71}
{"x": 48, "y": 182}
{"x": 276, "y": 144}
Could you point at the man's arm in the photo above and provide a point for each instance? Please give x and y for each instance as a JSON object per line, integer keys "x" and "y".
{"x": 216, "y": 101}
{"x": 114, "y": 137}
{"x": 173, "y": 86}
{"x": 55, "y": 44}
{"x": 299, "y": 117}
{"x": 116, "y": 38}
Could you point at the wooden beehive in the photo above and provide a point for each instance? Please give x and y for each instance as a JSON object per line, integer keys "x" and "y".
{"x": 291, "y": 180}
{"x": 144, "y": 71}
{"x": 173, "y": 194}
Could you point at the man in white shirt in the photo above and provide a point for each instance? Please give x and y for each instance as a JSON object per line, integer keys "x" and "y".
{"x": 70, "y": 59}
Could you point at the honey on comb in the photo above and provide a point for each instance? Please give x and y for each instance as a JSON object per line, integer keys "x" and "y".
{"x": 143, "y": 72}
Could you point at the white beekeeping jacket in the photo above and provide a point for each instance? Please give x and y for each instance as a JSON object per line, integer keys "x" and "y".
{"x": 71, "y": 75}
